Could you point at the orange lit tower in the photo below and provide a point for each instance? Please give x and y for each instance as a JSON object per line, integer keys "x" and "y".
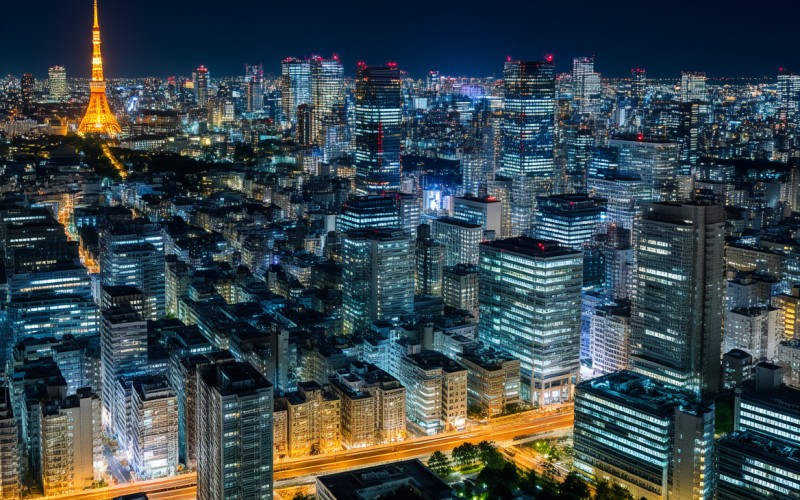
{"x": 98, "y": 119}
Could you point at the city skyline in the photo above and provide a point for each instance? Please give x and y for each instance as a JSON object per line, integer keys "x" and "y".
{"x": 168, "y": 38}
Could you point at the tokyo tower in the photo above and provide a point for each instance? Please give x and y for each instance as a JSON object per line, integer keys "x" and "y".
{"x": 98, "y": 118}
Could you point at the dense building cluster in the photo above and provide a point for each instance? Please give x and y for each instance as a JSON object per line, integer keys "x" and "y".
{"x": 222, "y": 273}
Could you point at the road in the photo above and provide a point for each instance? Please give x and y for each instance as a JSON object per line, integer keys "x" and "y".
{"x": 500, "y": 430}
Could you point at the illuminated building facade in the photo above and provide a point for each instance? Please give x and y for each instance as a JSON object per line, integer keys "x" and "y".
{"x": 572, "y": 220}
{"x": 295, "y": 86}
{"x": 57, "y": 83}
{"x": 327, "y": 94}
{"x": 461, "y": 240}
{"x": 378, "y": 134}
{"x": 234, "y": 458}
{"x": 377, "y": 277}
{"x": 652, "y": 439}
{"x": 527, "y": 136}
{"x": 530, "y": 308}
{"x": 676, "y": 320}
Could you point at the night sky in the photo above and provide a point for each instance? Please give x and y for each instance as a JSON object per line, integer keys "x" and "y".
{"x": 172, "y": 37}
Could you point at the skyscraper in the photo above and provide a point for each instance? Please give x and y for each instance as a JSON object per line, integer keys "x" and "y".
{"x": 676, "y": 320}
{"x": 586, "y": 87}
{"x": 295, "y": 86}
{"x": 573, "y": 220}
{"x": 201, "y": 86}
{"x": 234, "y": 457}
{"x": 26, "y": 87}
{"x": 254, "y": 82}
{"x": 527, "y": 136}
{"x": 98, "y": 118}
{"x": 327, "y": 94}
{"x": 378, "y": 115}
{"x": 693, "y": 86}
{"x": 57, "y": 83}
{"x": 429, "y": 261}
{"x": 377, "y": 277}
{"x": 530, "y": 307}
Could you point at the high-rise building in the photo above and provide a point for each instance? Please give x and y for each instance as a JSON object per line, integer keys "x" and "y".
{"x": 378, "y": 120}
{"x": 693, "y": 86}
{"x": 57, "y": 83}
{"x": 123, "y": 351}
{"x": 201, "y": 86}
{"x": 755, "y": 330}
{"x": 98, "y": 118}
{"x": 70, "y": 443}
{"x": 295, "y": 86}
{"x": 374, "y": 211}
{"x": 586, "y": 87}
{"x": 579, "y": 140}
{"x": 759, "y": 459}
{"x": 624, "y": 194}
{"x": 492, "y": 380}
{"x": 610, "y": 331}
{"x": 377, "y": 277}
{"x": 655, "y": 441}
{"x": 313, "y": 421}
{"x": 460, "y": 287}
{"x": 573, "y": 220}
{"x": 327, "y": 94}
{"x": 656, "y": 162}
{"x": 429, "y": 260}
{"x": 9, "y": 448}
{"x": 254, "y": 86}
{"x": 528, "y": 125}
{"x": 638, "y": 85}
{"x": 234, "y": 458}
{"x": 676, "y": 320}
{"x": 485, "y": 211}
{"x": 27, "y": 86}
{"x": 436, "y": 391}
{"x": 530, "y": 307}
{"x": 153, "y": 428}
{"x": 461, "y": 240}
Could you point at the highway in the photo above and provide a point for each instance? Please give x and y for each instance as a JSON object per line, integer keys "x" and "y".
{"x": 500, "y": 430}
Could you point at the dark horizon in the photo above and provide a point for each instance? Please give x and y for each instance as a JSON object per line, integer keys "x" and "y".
{"x": 156, "y": 38}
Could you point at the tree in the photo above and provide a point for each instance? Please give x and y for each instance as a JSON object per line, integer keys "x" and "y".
{"x": 574, "y": 486}
{"x": 489, "y": 455}
{"x": 465, "y": 454}
{"x": 608, "y": 490}
{"x": 439, "y": 464}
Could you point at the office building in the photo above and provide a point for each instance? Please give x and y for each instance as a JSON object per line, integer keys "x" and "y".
{"x": 527, "y": 137}
{"x": 461, "y": 240}
{"x": 789, "y": 303}
{"x": 693, "y": 86}
{"x": 751, "y": 466}
{"x": 460, "y": 287}
{"x": 429, "y": 261}
{"x": 378, "y": 134}
{"x": 624, "y": 194}
{"x": 676, "y": 318}
{"x": 493, "y": 384}
{"x": 57, "y": 83}
{"x": 123, "y": 352}
{"x": 375, "y": 211}
{"x": 153, "y": 428}
{"x": 484, "y": 211}
{"x": 788, "y": 357}
{"x": 9, "y": 448}
{"x": 656, "y": 162}
{"x": 377, "y": 278}
{"x": 586, "y": 87}
{"x": 530, "y": 307}
{"x": 610, "y": 329}
{"x": 234, "y": 459}
{"x": 201, "y": 86}
{"x": 254, "y": 87}
{"x": 295, "y": 86}
{"x": 327, "y": 94}
{"x": 755, "y": 330}
{"x": 436, "y": 392}
{"x": 572, "y": 220}
{"x": 655, "y": 441}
